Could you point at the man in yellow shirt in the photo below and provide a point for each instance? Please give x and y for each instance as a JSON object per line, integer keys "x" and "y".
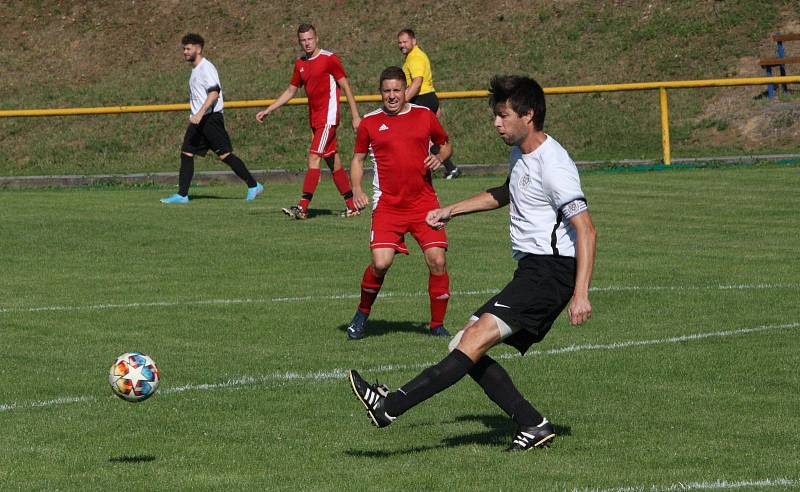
{"x": 420, "y": 91}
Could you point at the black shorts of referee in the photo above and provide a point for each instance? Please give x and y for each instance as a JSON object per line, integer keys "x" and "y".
{"x": 527, "y": 307}
{"x": 428, "y": 100}
{"x": 209, "y": 134}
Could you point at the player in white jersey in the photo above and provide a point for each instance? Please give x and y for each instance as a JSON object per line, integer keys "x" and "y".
{"x": 553, "y": 240}
{"x": 206, "y": 124}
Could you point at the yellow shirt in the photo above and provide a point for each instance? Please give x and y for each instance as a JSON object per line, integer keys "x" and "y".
{"x": 416, "y": 65}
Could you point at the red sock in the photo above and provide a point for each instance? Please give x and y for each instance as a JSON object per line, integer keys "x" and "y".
{"x": 342, "y": 182}
{"x": 309, "y": 186}
{"x": 370, "y": 286}
{"x": 439, "y": 292}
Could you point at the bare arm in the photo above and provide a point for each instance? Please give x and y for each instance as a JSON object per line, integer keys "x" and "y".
{"x": 580, "y": 309}
{"x": 282, "y": 99}
{"x": 413, "y": 89}
{"x": 434, "y": 161}
{"x": 360, "y": 199}
{"x": 351, "y": 101}
{"x": 210, "y": 101}
{"x": 490, "y": 199}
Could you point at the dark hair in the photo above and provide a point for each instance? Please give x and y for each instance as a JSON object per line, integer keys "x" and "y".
{"x": 522, "y": 94}
{"x": 193, "y": 38}
{"x": 408, "y": 31}
{"x": 305, "y": 28}
{"x": 392, "y": 73}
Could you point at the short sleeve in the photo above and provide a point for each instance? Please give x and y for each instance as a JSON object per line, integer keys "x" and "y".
{"x": 562, "y": 184}
{"x": 438, "y": 135}
{"x": 210, "y": 80}
{"x": 336, "y": 68}
{"x": 415, "y": 67}
{"x": 362, "y": 139}
{"x": 296, "y": 80}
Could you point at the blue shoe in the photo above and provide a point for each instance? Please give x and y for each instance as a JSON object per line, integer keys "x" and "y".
{"x": 253, "y": 192}
{"x": 439, "y": 331}
{"x": 176, "y": 198}
{"x": 357, "y": 325}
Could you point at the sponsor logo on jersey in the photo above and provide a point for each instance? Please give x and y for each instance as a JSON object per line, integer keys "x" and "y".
{"x": 524, "y": 181}
{"x": 383, "y": 127}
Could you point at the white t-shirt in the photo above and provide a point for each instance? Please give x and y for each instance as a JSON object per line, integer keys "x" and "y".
{"x": 203, "y": 79}
{"x": 545, "y": 192}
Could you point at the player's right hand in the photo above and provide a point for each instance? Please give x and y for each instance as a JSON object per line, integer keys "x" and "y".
{"x": 261, "y": 116}
{"x": 360, "y": 199}
{"x": 437, "y": 218}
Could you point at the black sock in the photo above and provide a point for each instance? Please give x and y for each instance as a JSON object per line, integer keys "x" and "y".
{"x": 429, "y": 382}
{"x": 448, "y": 165}
{"x": 185, "y": 175}
{"x": 240, "y": 169}
{"x": 497, "y": 385}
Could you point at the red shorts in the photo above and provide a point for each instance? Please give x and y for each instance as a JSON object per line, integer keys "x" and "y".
{"x": 389, "y": 227}
{"x": 323, "y": 143}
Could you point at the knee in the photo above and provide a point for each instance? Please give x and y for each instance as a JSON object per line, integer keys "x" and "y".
{"x": 437, "y": 264}
{"x": 222, "y": 157}
{"x": 186, "y": 154}
{"x": 381, "y": 266}
{"x": 477, "y": 339}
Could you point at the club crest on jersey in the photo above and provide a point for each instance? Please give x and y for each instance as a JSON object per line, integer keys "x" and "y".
{"x": 383, "y": 127}
{"x": 524, "y": 181}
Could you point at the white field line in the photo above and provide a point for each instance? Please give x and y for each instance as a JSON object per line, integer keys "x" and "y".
{"x": 715, "y": 485}
{"x": 334, "y": 297}
{"x": 339, "y": 374}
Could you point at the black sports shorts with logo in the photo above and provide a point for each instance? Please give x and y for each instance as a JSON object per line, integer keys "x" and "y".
{"x": 210, "y": 134}
{"x": 541, "y": 288}
{"x": 429, "y": 100}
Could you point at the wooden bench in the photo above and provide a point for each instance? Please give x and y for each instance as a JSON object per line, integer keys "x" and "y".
{"x": 780, "y": 60}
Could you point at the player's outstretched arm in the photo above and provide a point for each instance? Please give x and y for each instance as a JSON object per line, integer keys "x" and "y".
{"x": 580, "y": 309}
{"x": 351, "y": 101}
{"x": 282, "y": 99}
{"x": 490, "y": 199}
{"x": 360, "y": 199}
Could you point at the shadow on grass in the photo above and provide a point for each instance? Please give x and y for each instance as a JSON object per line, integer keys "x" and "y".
{"x": 498, "y": 433}
{"x": 192, "y": 196}
{"x": 141, "y": 458}
{"x": 379, "y": 327}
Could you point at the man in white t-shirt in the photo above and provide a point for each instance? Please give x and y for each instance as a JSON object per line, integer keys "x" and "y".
{"x": 206, "y": 124}
{"x": 553, "y": 240}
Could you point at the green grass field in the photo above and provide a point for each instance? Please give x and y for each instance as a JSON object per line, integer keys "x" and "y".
{"x": 685, "y": 378}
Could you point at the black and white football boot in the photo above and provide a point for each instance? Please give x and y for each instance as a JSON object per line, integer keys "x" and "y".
{"x": 372, "y": 397}
{"x": 537, "y": 436}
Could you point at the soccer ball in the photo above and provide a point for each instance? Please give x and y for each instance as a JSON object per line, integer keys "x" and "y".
{"x": 134, "y": 377}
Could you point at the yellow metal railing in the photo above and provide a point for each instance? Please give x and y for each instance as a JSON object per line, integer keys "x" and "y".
{"x": 578, "y": 89}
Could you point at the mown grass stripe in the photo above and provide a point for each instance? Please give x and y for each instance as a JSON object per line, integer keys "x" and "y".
{"x": 222, "y": 302}
{"x": 339, "y": 373}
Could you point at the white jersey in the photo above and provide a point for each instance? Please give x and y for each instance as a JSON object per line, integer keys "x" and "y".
{"x": 545, "y": 192}
{"x": 204, "y": 79}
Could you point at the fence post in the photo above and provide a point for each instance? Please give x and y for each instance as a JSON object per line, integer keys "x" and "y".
{"x": 665, "y": 125}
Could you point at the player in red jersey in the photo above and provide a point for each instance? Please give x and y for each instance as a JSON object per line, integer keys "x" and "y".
{"x": 322, "y": 75}
{"x": 397, "y": 137}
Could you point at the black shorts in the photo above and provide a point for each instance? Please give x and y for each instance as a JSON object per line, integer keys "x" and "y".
{"x": 428, "y": 100}
{"x": 541, "y": 288}
{"x": 210, "y": 134}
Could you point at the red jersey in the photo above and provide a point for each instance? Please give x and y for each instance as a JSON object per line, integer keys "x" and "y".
{"x": 319, "y": 75}
{"x": 398, "y": 145}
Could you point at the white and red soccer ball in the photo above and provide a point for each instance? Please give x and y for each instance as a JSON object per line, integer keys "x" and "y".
{"x": 134, "y": 377}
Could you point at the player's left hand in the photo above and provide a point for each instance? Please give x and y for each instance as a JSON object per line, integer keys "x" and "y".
{"x": 195, "y": 118}
{"x": 580, "y": 310}
{"x": 432, "y": 162}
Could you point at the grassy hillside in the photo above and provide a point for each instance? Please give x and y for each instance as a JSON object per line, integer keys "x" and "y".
{"x": 66, "y": 54}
